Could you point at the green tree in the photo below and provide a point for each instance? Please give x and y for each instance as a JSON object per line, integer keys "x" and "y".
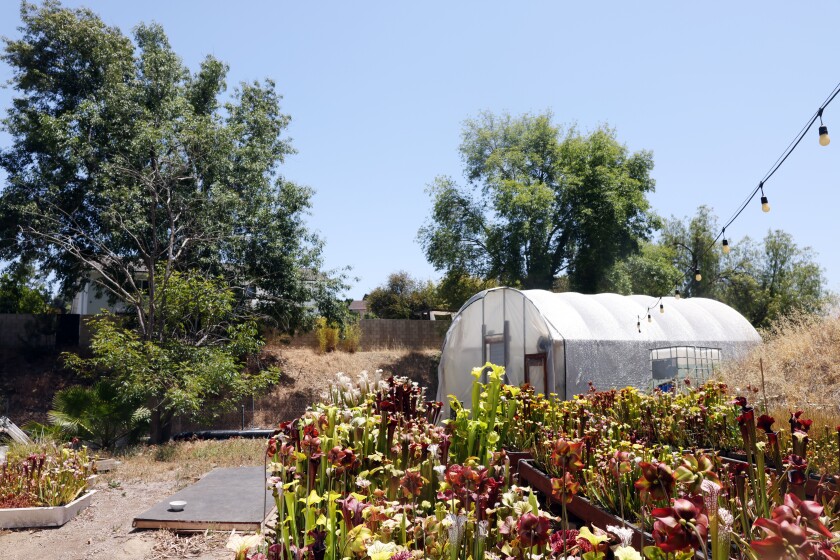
{"x": 539, "y": 202}
{"x": 456, "y": 287}
{"x": 197, "y": 370}
{"x": 126, "y": 167}
{"x": 692, "y": 242}
{"x": 764, "y": 282}
{"x": 651, "y": 271}
{"x": 781, "y": 280}
{"x": 20, "y": 291}
{"x": 402, "y": 297}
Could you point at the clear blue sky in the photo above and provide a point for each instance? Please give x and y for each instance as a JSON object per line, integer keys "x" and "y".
{"x": 378, "y": 91}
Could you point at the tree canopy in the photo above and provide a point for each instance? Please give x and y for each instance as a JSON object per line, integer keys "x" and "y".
{"x": 21, "y": 292}
{"x": 125, "y": 165}
{"x": 402, "y": 297}
{"x": 764, "y": 281}
{"x": 539, "y": 202}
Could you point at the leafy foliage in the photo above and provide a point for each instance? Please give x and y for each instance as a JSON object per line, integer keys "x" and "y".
{"x": 21, "y": 293}
{"x": 456, "y": 287}
{"x": 199, "y": 363}
{"x": 98, "y": 414}
{"x": 765, "y": 281}
{"x": 402, "y": 297}
{"x": 539, "y": 202}
{"x": 125, "y": 165}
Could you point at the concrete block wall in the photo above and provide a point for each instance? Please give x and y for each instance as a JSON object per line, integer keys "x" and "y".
{"x": 388, "y": 333}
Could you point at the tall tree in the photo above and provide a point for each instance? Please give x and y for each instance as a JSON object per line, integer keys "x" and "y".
{"x": 764, "y": 281}
{"x": 126, "y": 167}
{"x": 402, "y": 297}
{"x": 780, "y": 280}
{"x": 539, "y": 202}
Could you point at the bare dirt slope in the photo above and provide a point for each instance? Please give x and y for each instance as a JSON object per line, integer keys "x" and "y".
{"x": 308, "y": 373}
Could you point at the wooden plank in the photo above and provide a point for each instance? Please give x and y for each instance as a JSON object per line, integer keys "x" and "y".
{"x": 222, "y": 500}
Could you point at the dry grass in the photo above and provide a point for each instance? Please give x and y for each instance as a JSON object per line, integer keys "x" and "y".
{"x": 185, "y": 462}
{"x": 801, "y": 360}
{"x": 172, "y": 545}
{"x": 307, "y": 373}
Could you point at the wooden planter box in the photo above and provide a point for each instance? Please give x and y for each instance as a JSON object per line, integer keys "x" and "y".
{"x": 579, "y": 507}
{"x": 21, "y": 518}
{"x": 812, "y": 485}
{"x": 517, "y": 456}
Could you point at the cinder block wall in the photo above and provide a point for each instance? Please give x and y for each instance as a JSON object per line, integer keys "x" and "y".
{"x": 389, "y": 333}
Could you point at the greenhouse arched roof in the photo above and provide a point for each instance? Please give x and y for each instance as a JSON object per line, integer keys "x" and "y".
{"x": 575, "y": 316}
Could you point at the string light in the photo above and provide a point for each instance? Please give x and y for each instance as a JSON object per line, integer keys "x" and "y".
{"x": 650, "y": 319}
{"x": 765, "y": 205}
{"x": 824, "y": 138}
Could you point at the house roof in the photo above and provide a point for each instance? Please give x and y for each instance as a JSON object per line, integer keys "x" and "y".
{"x": 358, "y": 305}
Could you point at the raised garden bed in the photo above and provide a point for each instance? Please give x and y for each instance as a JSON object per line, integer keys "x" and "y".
{"x": 812, "y": 485}
{"x": 581, "y": 508}
{"x": 35, "y": 517}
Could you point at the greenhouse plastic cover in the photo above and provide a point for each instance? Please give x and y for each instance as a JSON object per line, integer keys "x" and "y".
{"x": 592, "y": 337}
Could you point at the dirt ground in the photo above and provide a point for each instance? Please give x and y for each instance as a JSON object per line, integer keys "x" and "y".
{"x": 148, "y": 475}
{"x": 145, "y": 477}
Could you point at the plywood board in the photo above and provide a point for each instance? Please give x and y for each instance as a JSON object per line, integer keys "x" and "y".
{"x": 224, "y": 499}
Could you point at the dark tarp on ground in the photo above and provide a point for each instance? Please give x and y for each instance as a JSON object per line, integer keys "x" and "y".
{"x": 224, "y": 499}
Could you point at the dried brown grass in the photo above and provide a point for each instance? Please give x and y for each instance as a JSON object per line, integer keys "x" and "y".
{"x": 186, "y": 461}
{"x": 169, "y": 544}
{"x": 308, "y": 373}
{"x": 801, "y": 362}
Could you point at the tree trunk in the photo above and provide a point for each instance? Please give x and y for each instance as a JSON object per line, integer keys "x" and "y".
{"x": 160, "y": 427}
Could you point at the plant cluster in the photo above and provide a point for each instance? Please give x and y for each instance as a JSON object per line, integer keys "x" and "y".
{"x": 49, "y": 476}
{"x": 369, "y": 474}
{"x": 661, "y": 461}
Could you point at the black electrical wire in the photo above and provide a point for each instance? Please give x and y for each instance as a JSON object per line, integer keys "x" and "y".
{"x": 760, "y": 187}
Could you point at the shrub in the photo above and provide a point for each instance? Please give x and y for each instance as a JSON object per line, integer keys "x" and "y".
{"x": 352, "y": 335}
{"x": 327, "y": 335}
{"x": 99, "y": 414}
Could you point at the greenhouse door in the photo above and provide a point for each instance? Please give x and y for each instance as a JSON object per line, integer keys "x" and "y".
{"x": 536, "y": 372}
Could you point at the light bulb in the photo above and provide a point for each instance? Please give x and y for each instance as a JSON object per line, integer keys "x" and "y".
{"x": 824, "y": 138}
{"x": 676, "y": 294}
{"x": 725, "y": 244}
{"x": 639, "y": 326}
{"x": 697, "y": 275}
{"x": 765, "y": 206}
{"x": 662, "y": 308}
{"x": 650, "y": 319}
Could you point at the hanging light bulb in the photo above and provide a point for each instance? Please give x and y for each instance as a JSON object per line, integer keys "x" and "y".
{"x": 650, "y": 319}
{"x": 824, "y": 139}
{"x": 662, "y": 308}
{"x": 638, "y": 325}
{"x": 676, "y": 294}
{"x": 765, "y": 206}
{"x": 697, "y": 275}
{"x": 725, "y": 245}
